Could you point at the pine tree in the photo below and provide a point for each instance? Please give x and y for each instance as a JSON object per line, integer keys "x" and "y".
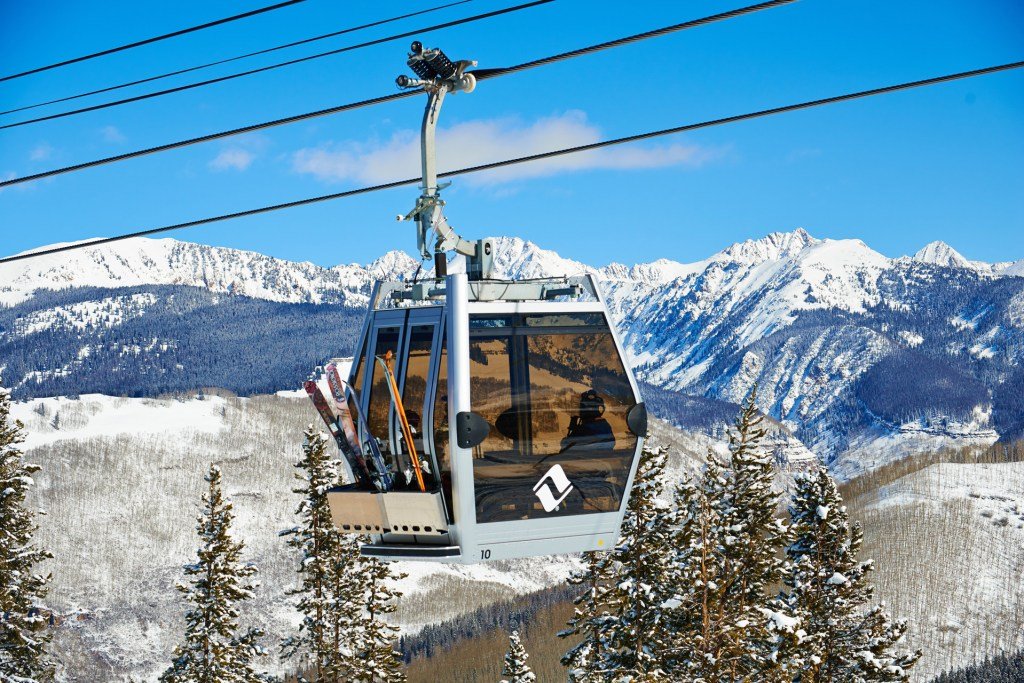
{"x": 589, "y": 617}
{"x": 827, "y": 591}
{"x": 516, "y": 669}
{"x": 698, "y": 616}
{"x": 375, "y": 659}
{"x": 213, "y": 650}
{"x": 634, "y": 637}
{"x": 752, "y": 546}
{"x": 729, "y": 540}
{"x": 330, "y": 612}
{"x": 23, "y": 623}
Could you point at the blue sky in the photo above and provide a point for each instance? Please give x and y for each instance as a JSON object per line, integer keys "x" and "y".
{"x": 896, "y": 171}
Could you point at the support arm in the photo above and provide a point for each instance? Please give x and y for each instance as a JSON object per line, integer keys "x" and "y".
{"x": 438, "y": 77}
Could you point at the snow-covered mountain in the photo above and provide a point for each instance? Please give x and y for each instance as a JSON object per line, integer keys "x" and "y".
{"x": 865, "y": 358}
{"x": 941, "y": 254}
{"x": 144, "y": 261}
{"x": 853, "y": 351}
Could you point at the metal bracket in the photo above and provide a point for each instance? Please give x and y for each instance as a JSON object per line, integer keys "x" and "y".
{"x": 438, "y": 75}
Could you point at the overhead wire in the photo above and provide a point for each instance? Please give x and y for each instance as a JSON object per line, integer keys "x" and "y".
{"x": 529, "y": 158}
{"x": 218, "y": 62}
{"x": 154, "y": 39}
{"x": 485, "y": 74}
{"x": 271, "y": 67}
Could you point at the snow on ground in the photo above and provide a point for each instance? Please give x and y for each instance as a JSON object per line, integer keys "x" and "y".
{"x": 94, "y": 415}
{"x": 106, "y": 312}
{"x": 878, "y": 446}
{"x": 949, "y": 546}
{"x": 121, "y": 480}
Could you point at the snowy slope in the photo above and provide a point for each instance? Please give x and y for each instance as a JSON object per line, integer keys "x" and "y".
{"x": 121, "y": 480}
{"x": 949, "y": 545}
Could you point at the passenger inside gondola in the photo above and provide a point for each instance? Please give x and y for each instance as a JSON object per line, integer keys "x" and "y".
{"x": 555, "y": 391}
{"x": 588, "y": 428}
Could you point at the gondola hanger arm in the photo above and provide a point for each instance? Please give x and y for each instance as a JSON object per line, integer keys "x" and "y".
{"x": 437, "y": 76}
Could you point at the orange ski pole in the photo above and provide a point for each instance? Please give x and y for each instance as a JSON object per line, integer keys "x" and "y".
{"x": 388, "y": 359}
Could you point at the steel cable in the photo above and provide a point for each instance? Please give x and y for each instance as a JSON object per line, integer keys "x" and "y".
{"x": 154, "y": 39}
{"x": 485, "y": 73}
{"x": 533, "y": 157}
{"x": 218, "y": 62}
{"x": 271, "y": 67}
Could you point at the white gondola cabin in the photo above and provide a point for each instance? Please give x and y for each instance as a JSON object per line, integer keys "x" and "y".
{"x": 481, "y": 419}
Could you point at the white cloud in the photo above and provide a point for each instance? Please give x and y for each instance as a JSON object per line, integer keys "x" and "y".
{"x": 40, "y": 152}
{"x": 112, "y": 134}
{"x": 232, "y": 158}
{"x": 479, "y": 142}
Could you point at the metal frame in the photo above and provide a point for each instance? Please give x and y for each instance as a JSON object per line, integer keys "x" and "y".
{"x": 470, "y": 542}
{"x": 422, "y": 316}
{"x": 400, "y": 304}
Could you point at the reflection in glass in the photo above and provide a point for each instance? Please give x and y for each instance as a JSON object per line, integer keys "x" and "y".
{"x": 379, "y": 407}
{"x": 441, "y": 426}
{"x": 555, "y": 392}
{"x": 414, "y": 393}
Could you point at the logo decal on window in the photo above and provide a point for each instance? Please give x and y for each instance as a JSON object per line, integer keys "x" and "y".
{"x": 562, "y": 488}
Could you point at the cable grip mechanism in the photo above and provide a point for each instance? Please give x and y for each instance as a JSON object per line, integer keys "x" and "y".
{"x": 437, "y": 75}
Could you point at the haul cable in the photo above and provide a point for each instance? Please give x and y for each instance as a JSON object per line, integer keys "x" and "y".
{"x": 154, "y": 39}
{"x": 278, "y": 65}
{"x": 218, "y": 62}
{"x": 484, "y": 73}
{"x": 533, "y": 157}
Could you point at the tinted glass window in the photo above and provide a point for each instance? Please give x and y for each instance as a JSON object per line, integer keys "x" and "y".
{"x": 357, "y": 385}
{"x": 414, "y": 392}
{"x": 555, "y": 393}
{"x": 379, "y": 408}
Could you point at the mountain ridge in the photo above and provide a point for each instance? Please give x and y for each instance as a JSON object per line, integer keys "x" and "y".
{"x": 168, "y": 261}
{"x": 809, "y": 321}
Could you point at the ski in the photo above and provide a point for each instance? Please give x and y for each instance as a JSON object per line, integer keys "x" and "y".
{"x": 337, "y": 386}
{"x": 341, "y": 390}
{"x": 349, "y": 430}
{"x": 396, "y": 400}
{"x": 379, "y": 463}
{"x": 354, "y": 459}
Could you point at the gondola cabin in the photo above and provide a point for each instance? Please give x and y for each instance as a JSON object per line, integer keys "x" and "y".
{"x": 481, "y": 419}
{"x": 524, "y": 419}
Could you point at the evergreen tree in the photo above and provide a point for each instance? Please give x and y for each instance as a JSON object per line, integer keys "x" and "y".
{"x": 827, "y": 591}
{"x": 23, "y": 621}
{"x": 213, "y": 650}
{"x": 330, "y": 612}
{"x": 729, "y": 541}
{"x": 752, "y": 547}
{"x": 375, "y": 659}
{"x": 634, "y": 636}
{"x": 699, "y": 616}
{"x": 516, "y": 668}
{"x": 589, "y": 617}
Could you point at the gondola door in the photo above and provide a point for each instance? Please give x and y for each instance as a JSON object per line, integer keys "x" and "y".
{"x": 386, "y": 334}
{"x": 422, "y": 350}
